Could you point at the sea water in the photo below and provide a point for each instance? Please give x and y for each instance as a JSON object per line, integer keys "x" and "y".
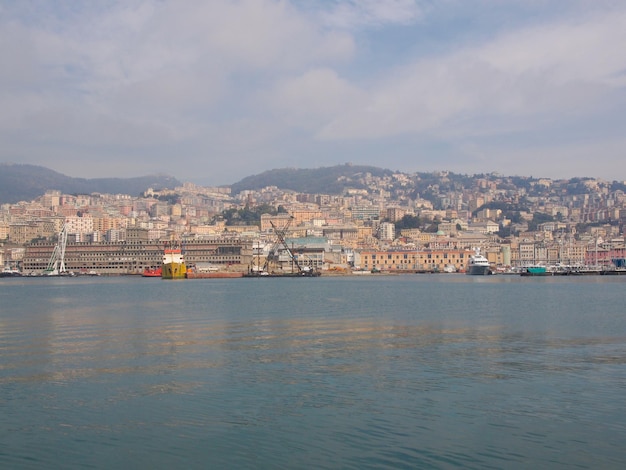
{"x": 411, "y": 371}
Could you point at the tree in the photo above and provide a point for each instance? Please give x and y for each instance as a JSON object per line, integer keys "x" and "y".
{"x": 169, "y": 198}
{"x": 408, "y": 221}
{"x": 504, "y": 232}
{"x": 248, "y": 215}
{"x": 539, "y": 218}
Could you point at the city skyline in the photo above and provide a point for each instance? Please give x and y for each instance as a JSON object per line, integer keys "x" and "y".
{"x": 212, "y": 93}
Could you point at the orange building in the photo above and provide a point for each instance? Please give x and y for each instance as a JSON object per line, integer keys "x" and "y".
{"x": 414, "y": 260}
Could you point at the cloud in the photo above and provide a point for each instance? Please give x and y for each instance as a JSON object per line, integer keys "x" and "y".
{"x": 312, "y": 98}
{"x": 157, "y": 64}
{"x": 225, "y": 86}
{"x": 353, "y": 14}
{"x": 548, "y": 72}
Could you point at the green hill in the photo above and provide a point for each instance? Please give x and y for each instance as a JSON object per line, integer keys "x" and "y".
{"x": 326, "y": 180}
{"x": 26, "y": 182}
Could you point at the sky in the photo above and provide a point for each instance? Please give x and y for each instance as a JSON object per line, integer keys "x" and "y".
{"x": 212, "y": 91}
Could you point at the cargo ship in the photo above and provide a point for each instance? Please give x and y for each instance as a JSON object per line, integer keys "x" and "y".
{"x": 174, "y": 266}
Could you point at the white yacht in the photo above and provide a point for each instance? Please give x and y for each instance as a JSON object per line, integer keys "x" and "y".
{"x": 478, "y": 265}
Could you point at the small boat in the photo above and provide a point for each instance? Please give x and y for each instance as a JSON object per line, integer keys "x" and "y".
{"x": 84, "y": 272}
{"x": 10, "y": 272}
{"x": 537, "y": 270}
{"x": 264, "y": 274}
{"x": 478, "y": 265}
{"x": 449, "y": 268}
{"x": 304, "y": 271}
{"x": 152, "y": 272}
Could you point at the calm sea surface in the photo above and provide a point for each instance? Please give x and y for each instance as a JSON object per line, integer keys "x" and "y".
{"x": 416, "y": 371}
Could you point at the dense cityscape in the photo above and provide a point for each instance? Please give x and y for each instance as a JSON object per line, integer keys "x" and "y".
{"x": 392, "y": 223}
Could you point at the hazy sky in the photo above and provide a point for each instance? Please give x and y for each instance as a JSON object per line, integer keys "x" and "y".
{"x": 212, "y": 90}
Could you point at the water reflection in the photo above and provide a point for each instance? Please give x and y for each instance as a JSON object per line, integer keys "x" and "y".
{"x": 72, "y": 344}
{"x": 405, "y": 376}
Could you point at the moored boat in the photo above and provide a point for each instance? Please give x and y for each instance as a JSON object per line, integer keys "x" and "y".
{"x": 152, "y": 272}
{"x": 449, "y": 268}
{"x": 535, "y": 271}
{"x": 264, "y": 274}
{"x": 173, "y": 266}
{"x": 10, "y": 272}
{"x": 213, "y": 275}
{"x": 211, "y": 271}
{"x": 478, "y": 265}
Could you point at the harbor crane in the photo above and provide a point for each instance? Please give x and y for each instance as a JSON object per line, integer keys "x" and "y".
{"x": 272, "y": 258}
{"x": 56, "y": 265}
{"x": 272, "y": 255}
{"x": 301, "y": 270}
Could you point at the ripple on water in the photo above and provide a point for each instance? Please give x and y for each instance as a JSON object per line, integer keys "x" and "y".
{"x": 394, "y": 372}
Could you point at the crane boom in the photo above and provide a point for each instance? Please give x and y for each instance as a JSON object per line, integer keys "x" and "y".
{"x": 271, "y": 255}
{"x": 280, "y": 234}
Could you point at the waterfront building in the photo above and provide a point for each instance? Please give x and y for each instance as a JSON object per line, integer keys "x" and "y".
{"x": 605, "y": 254}
{"x": 414, "y": 260}
{"x": 134, "y": 254}
{"x": 307, "y": 251}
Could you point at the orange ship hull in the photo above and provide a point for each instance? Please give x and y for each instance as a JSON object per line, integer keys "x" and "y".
{"x": 152, "y": 272}
{"x": 213, "y": 275}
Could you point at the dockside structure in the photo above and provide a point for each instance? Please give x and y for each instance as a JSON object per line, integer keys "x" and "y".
{"x": 133, "y": 256}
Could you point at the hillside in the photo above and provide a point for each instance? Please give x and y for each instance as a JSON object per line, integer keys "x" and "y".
{"x": 327, "y": 180}
{"x": 26, "y": 182}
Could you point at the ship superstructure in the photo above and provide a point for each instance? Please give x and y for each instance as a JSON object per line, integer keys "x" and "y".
{"x": 173, "y": 266}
